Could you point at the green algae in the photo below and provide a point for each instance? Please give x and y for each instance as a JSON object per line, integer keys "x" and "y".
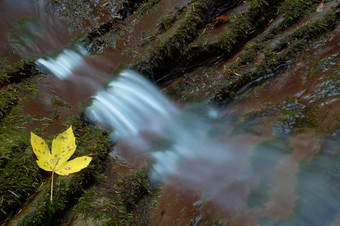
{"x": 209, "y": 221}
{"x": 164, "y": 24}
{"x": 242, "y": 24}
{"x": 241, "y": 27}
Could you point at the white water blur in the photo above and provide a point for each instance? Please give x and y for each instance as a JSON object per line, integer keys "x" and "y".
{"x": 194, "y": 145}
{"x": 131, "y": 105}
{"x": 127, "y": 104}
{"x": 63, "y": 65}
{"x": 38, "y": 29}
{"x": 198, "y": 149}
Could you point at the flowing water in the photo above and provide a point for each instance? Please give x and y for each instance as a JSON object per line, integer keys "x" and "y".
{"x": 229, "y": 172}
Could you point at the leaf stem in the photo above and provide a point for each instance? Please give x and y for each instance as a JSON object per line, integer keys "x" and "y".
{"x": 52, "y": 186}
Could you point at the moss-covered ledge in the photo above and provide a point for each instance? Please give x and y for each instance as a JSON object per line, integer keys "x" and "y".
{"x": 16, "y": 72}
{"x": 164, "y": 56}
{"x": 90, "y": 141}
{"x": 286, "y": 50}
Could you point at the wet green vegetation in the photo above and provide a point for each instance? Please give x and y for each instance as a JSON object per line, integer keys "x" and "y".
{"x": 287, "y": 49}
{"x": 57, "y": 101}
{"x": 90, "y": 141}
{"x": 126, "y": 201}
{"x": 16, "y": 72}
{"x": 157, "y": 61}
{"x": 292, "y": 11}
{"x": 8, "y": 99}
{"x": 19, "y": 176}
{"x": 263, "y": 56}
{"x": 21, "y": 179}
{"x": 240, "y": 28}
{"x": 296, "y": 118}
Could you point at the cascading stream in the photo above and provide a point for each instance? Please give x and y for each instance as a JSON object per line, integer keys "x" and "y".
{"x": 191, "y": 144}
{"x": 129, "y": 105}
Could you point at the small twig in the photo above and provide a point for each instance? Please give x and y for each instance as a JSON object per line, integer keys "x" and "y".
{"x": 52, "y": 185}
{"x": 12, "y": 193}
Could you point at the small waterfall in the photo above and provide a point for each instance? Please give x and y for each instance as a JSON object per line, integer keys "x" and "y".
{"x": 63, "y": 64}
{"x": 196, "y": 148}
{"x": 131, "y": 104}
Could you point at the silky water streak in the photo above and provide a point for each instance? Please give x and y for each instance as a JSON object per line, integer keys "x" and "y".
{"x": 202, "y": 150}
{"x": 235, "y": 172}
{"x": 131, "y": 107}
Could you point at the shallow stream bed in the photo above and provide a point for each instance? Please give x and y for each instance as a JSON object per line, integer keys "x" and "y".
{"x": 270, "y": 69}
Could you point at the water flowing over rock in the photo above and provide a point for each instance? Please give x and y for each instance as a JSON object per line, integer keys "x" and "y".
{"x": 231, "y": 105}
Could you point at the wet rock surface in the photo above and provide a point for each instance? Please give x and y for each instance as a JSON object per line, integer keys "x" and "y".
{"x": 271, "y": 66}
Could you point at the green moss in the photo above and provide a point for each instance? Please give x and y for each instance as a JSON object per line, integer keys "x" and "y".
{"x": 19, "y": 179}
{"x": 292, "y": 11}
{"x": 16, "y": 72}
{"x": 191, "y": 22}
{"x": 19, "y": 176}
{"x": 90, "y": 141}
{"x": 147, "y": 7}
{"x": 126, "y": 202}
{"x": 166, "y": 22}
{"x": 311, "y": 30}
{"x": 12, "y": 119}
{"x": 56, "y": 101}
{"x": 8, "y": 99}
{"x": 242, "y": 24}
{"x": 288, "y": 48}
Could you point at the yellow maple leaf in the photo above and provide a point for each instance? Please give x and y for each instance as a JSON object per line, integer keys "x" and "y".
{"x": 63, "y": 148}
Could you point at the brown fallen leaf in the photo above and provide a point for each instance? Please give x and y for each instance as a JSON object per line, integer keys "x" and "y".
{"x": 220, "y": 20}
